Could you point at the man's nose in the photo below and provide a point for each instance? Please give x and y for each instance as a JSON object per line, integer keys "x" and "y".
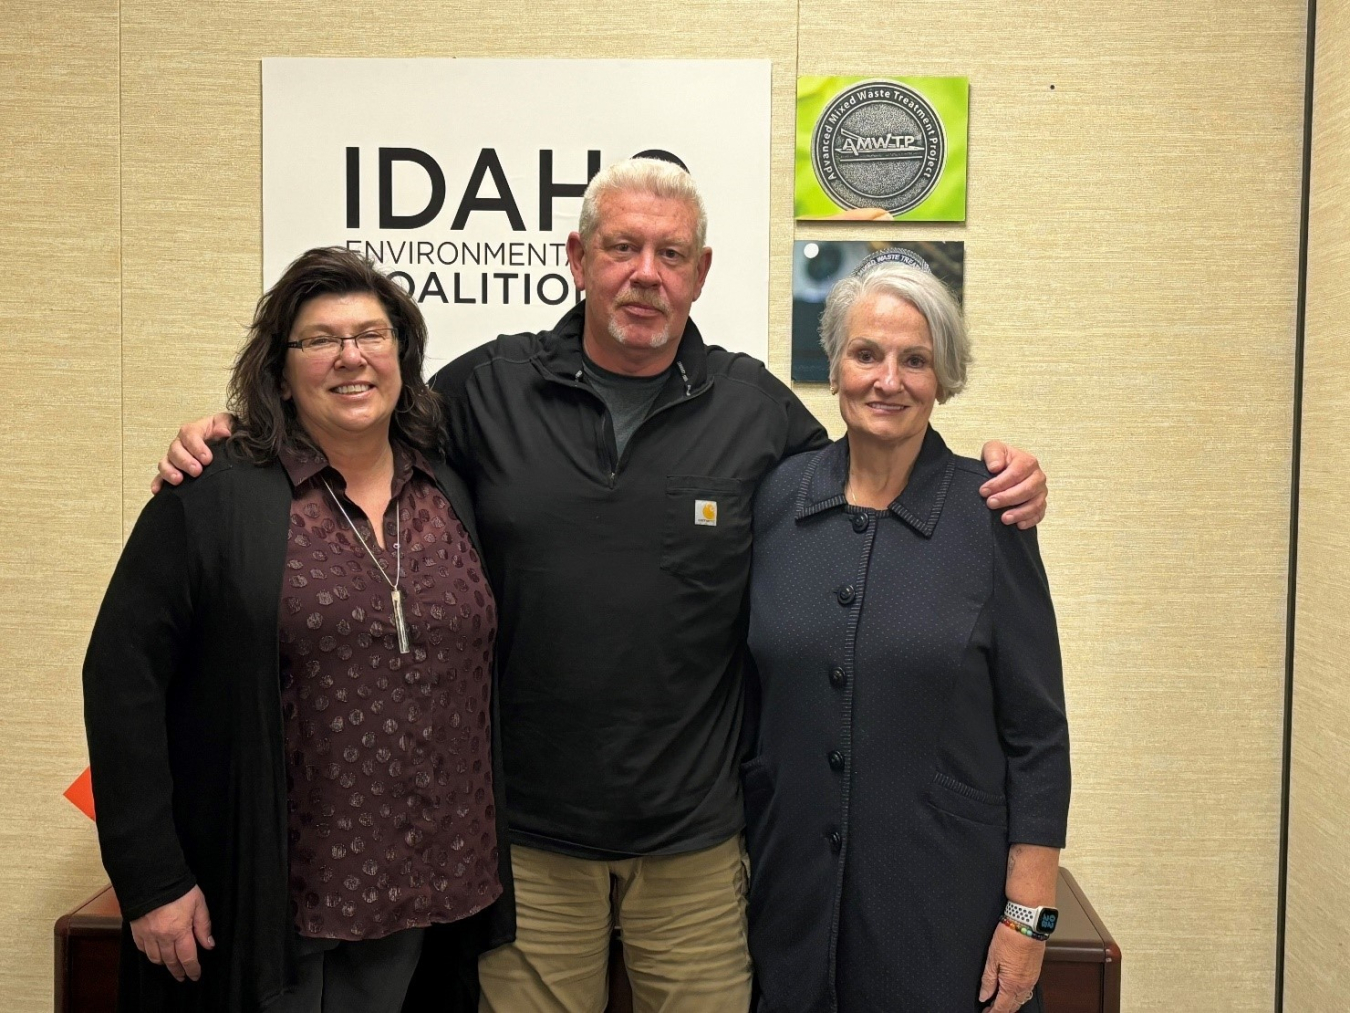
{"x": 646, "y": 269}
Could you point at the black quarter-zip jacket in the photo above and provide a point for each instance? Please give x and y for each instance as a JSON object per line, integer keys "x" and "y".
{"x": 621, "y": 583}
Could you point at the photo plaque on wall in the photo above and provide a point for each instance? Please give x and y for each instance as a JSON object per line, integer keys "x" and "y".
{"x": 817, "y": 264}
{"x": 882, "y": 148}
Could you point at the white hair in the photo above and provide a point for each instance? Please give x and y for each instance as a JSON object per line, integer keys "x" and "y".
{"x": 923, "y": 291}
{"x": 653, "y": 176}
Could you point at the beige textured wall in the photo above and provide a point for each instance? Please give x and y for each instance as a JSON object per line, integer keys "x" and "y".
{"x": 60, "y": 451}
{"x": 1317, "y": 954}
{"x": 1131, "y": 265}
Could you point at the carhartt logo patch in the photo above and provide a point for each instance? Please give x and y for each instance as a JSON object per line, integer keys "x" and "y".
{"x": 705, "y": 512}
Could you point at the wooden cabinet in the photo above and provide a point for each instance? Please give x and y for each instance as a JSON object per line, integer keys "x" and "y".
{"x": 88, "y": 942}
{"x": 1082, "y": 962}
{"x": 1081, "y": 974}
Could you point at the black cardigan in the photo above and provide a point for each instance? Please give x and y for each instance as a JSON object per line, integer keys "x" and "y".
{"x": 183, "y": 715}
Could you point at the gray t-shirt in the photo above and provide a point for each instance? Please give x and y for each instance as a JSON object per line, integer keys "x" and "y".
{"x": 628, "y": 398}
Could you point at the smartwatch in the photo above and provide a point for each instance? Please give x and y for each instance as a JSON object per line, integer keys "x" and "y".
{"x": 1041, "y": 920}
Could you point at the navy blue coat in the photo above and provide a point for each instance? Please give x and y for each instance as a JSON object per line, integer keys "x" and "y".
{"x": 911, "y": 728}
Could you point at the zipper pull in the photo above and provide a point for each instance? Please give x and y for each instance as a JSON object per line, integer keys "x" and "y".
{"x": 577, "y": 378}
{"x": 688, "y": 390}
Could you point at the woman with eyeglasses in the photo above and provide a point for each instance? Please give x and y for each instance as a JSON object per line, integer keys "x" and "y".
{"x": 289, "y": 689}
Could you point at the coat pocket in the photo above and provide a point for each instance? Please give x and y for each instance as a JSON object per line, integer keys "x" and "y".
{"x": 706, "y": 533}
{"x": 956, "y": 798}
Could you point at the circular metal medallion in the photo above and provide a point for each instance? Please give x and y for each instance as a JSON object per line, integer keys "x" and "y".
{"x": 892, "y": 255}
{"x": 878, "y": 144}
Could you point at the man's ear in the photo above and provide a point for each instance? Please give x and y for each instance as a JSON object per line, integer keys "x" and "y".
{"x": 576, "y": 259}
{"x": 704, "y": 264}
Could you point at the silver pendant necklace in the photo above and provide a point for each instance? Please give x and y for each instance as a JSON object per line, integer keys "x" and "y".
{"x": 395, "y": 595}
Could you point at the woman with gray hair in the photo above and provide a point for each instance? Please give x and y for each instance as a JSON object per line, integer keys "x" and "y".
{"x": 909, "y": 789}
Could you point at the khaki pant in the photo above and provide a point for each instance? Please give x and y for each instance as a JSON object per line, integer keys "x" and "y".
{"x": 681, "y": 920}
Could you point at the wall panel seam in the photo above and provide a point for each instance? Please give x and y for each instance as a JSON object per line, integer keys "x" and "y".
{"x": 121, "y": 301}
{"x": 1295, "y": 460}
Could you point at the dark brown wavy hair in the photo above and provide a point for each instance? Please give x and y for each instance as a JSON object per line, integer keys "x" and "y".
{"x": 266, "y": 421}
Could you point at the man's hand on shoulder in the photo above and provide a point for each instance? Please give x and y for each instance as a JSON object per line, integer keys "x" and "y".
{"x": 188, "y": 454}
{"x": 1018, "y": 487}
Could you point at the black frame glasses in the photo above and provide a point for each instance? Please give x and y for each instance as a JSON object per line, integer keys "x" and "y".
{"x": 372, "y": 341}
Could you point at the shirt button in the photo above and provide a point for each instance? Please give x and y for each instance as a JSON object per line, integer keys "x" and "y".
{"x": 860, "y": 523}
{"x": 836, "y": 759}
{"x": 836, "y": 842}
{"x": 847, "y": 594}
{"x": 837, "y": 677}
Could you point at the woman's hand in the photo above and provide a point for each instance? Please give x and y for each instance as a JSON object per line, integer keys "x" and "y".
{"x": 188, "y": 453}
{"x": 1011, "y": 970}
{"x": 169, "y": 934}
{"x": 1018, "y": 484}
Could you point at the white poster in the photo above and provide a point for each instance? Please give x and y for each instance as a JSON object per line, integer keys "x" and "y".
{"x": 461, "y": 179}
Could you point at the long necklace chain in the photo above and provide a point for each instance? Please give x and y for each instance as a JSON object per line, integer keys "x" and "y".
{"x": 395, "y": 595}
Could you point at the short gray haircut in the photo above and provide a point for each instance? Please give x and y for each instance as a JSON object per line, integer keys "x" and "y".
{"x": 923, "y": 291}
{"x": 653, "y": 176}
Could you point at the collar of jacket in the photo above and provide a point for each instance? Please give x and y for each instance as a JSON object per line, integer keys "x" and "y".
{"x": 561, "y": 356}
{"x": 919, "y": 505}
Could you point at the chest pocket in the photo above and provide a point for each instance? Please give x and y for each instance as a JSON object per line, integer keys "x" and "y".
{"x": 706, "y": 528}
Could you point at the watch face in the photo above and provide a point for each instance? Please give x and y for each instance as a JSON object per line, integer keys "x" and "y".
{"x": 1047, "y": 921}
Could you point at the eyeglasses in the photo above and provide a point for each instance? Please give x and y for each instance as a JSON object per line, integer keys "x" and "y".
{"x": 371, "y": 342}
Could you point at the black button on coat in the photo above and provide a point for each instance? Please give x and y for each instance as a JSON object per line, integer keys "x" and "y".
{"x": 879, "y": 887}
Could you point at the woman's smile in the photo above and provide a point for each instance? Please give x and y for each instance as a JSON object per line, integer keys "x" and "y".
{"x": 353, "y": 389}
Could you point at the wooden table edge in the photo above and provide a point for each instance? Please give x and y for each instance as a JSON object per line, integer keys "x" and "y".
{"x": 1110, "y": 1002}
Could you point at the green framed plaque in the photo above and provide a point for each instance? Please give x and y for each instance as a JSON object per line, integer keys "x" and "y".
{"x": 882, "y": 148}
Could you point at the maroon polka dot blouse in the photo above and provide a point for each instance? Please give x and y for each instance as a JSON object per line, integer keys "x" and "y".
{"x": 389, "y": 773}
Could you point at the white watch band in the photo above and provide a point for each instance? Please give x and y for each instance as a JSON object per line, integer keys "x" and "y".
{"x": 1023, "y": 915}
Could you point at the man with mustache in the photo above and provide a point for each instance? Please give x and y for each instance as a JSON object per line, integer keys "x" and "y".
{"x": 613, "y": 461}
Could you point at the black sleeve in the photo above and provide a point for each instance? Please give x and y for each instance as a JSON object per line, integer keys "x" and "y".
{"x": 804, "y": 432}
{"x": 1029, "y": 691}
{"x": 134, "y": 653}
{"x": 452, "y": 382}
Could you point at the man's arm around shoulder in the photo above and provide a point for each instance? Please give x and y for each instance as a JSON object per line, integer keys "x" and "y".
{"x": 804, "y": 432}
